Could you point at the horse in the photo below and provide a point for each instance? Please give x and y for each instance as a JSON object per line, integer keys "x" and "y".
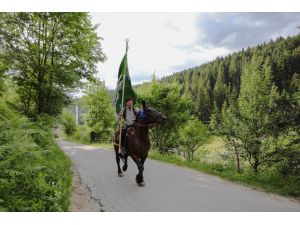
{"x": 137, "y": 140}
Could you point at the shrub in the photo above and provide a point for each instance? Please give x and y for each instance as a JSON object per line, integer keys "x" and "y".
{"x": 68, "y": 122}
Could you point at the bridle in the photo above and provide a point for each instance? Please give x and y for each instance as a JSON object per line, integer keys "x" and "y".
{"x": 148, "y": 125}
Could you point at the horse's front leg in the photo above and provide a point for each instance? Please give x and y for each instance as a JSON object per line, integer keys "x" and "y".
{"x": 143, "y": 160}
{"x": 139, "y": 177}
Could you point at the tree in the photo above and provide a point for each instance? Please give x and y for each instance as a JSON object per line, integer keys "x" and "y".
{"x": 215, "y": 119}
{"x": 228, "y": 128}
{"x": 2, "y": 69}
{"x": 203, "y": 101}
{"x": 286, "y": 129}
{"x": 220, "y": 87}
{"x": 100, "y": 115}
{"x": 48, "y": 54}
{"x": 234, "y": 71}
{"x": 166, "y": 99}
{"x": 68, "y": 122}
{"x": 255, "y": 103}
{"x": 192, "y": 135}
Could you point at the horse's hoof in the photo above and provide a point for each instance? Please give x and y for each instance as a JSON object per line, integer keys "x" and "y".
{"x": 124, "y": 168}
{"x": 141, "y": 184}
{"x": 121, "y": 174}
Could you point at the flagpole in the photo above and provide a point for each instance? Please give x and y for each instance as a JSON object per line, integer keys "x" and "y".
{"x": 121, "y": 120}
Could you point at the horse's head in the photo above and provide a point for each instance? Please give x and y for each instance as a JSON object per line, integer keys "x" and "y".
{"x": 150, "y": 116}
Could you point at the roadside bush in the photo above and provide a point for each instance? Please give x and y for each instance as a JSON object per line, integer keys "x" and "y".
{"x": 68, "y": 122}
{"x": 35, "y": 174}
{"x": 83, "y": 134}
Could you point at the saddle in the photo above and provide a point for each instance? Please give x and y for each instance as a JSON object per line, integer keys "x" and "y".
{"x": 130, "y": 131}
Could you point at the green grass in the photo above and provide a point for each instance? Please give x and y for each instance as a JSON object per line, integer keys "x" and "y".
{"x": 211, "y": 151}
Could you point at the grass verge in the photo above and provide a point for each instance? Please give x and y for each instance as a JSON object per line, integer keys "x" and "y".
{"x": 268, "y": 181}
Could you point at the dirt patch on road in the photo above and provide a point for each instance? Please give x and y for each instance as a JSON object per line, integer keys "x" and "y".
{"x": 81, "y": 200}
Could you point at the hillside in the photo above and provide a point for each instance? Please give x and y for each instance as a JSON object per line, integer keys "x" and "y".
{"x": 212, "y": 83}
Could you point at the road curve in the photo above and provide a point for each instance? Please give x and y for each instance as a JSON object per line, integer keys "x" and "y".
{"x": 168, "y": 188}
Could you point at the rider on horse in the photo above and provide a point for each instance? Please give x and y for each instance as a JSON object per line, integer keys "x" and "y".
{"x": 129, "y": 115}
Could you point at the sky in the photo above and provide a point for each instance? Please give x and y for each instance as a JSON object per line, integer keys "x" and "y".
{"x": 164, "y": 43}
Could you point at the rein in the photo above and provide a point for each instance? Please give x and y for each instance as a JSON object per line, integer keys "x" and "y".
{"x": 144, "y": 125}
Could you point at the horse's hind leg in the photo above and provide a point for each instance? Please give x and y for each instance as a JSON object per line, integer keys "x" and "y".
{"x": 125, "y": 166}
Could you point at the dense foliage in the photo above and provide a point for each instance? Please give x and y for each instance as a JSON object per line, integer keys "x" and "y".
{"x": 68, "y": 122}
{"x": 166, "y": 99}
{"x": 100, "y": 114}
{"x": 43, "y": 56}
{"x": 192, "y": 135}
{"x": 47, "y": 54}
{"x": 34, "y": 174}
{"x": 97, "y": 116}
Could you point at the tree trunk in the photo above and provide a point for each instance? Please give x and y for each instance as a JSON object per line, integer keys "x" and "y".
{"x": 256, "y": 164}
{"x": 237, "y": 161}
{"x": 238, "y": 167}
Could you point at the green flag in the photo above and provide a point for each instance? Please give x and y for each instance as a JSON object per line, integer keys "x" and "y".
{"x": 128, "y": 91}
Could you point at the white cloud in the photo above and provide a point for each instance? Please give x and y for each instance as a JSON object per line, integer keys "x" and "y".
{"x": 156, "y": 43}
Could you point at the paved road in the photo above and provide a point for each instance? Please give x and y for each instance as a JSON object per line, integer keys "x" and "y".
{"x": 168, "y": 187}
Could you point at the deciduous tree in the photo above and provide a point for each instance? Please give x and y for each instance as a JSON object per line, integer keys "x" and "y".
{"x": 48, "y": 54}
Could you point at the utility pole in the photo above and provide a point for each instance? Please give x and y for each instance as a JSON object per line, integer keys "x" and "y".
{"x": 76, "y": 111}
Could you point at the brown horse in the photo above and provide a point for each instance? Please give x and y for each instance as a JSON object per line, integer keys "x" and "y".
{"x": 137, "y": 140}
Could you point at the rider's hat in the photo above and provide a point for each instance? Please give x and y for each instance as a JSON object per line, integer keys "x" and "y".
{"x": 129, "y": 100}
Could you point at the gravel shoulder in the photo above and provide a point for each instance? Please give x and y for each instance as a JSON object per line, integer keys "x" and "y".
{"x": 81, "y": 200}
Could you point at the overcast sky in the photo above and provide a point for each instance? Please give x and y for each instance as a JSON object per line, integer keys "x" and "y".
{"x": 164, "y": 43}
